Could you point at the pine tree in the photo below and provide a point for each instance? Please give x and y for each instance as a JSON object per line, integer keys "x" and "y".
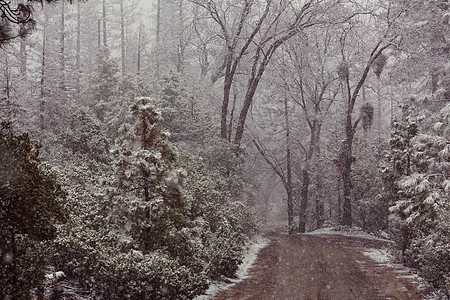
{"x": 418, "y": 182}
{"x": 148, "y": 185}
{"x": 424, "y": 202}
{"x": 103, "y": 83}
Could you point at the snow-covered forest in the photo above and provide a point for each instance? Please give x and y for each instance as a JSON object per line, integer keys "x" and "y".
{"x": 143, "y": 144}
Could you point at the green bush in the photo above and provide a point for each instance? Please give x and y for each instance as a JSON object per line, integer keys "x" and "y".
{"x": 29, "y": 211}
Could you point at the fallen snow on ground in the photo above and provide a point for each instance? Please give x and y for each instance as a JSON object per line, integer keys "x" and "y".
{"x": 351, "y": 232}
{"x": 385, "y": 259}
{"x": 253, "y": 249}
{"x": 379, "y": 255}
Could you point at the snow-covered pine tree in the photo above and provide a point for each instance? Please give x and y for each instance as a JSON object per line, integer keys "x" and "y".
{"x": 397, "y": 165}
{"x": 148, "y": 189}
{"x": 103, "y": 83}
{"x": 424, "y": 202}
{"x": 183, "y": 115}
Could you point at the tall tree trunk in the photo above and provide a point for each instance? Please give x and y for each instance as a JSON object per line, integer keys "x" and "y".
{"x": 290, "y": 198}
{"x": 346, "y": 160}
{"x": 7, "y": 88}
{"x": 339, "y": 201}
{"x": 304, "y": 200}
{"x": 230, "y": 126}
{"x": 78, "y": 49}
{"x": 158, "y": 36}
{"x": 233, "y": 58}
{"x": 104, "y": 24}
{"x": 346, "y": 155}
{"x": 315, "y": 128}
{"x": 319, "y": 203}
{"x": 62, "y": 48}
{"x": 99, "y": 30}
{"x": 379, "y": 107}
{"x": 139, "y": 50}
{"x": 122, "y": 36}
{"x": 158, "y": 21}
{"x": 181, "y": 47}
{"x": 23, "y": 59}
{"x": 228, "y": 81}
{"x": 42, "y": 104}
{"x": 258, "y": 69}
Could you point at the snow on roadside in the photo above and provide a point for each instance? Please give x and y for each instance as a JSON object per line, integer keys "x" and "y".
{"x": 257, "y": 244}
{"x": 351, "y": 232}
{"x": 253, "y": 249}
{"x": 379, "y": 255}
{"x": 384, "y": 258}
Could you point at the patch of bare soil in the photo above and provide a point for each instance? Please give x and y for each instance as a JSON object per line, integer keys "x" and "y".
{"x": 321, "y": 267}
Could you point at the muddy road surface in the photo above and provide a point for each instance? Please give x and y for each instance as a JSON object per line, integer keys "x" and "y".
{"x": 322, "y": 267}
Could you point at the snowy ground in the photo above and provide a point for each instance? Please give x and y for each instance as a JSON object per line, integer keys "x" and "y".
{"x": 379, "y": 255}
{"x": 386, "y": 260}
{"x": 329, "y": 264}
{"x": 253, "y": 248}
{"x": 352, "y": 232}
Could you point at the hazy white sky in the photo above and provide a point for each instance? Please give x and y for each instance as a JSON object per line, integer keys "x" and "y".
{"x": 148, "y": 5}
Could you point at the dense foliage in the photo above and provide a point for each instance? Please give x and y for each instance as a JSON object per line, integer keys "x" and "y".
{"x": 418, "y": 180}
{"x": 30, "y": 208}
{"x": 146, "y": 222}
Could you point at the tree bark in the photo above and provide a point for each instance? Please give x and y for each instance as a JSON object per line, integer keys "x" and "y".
{"x": 104, "y": 24}
{"x": 226, "y": 99}
{"x": 78, "y": 49}
{"x": 62, "y": 48}
{"x": 181, "y": 47}
{"x": 99, "y": 30}
{"x": 139, "y": 50}
{"x": 290, "y": 200}
{"x": 7, "y": 87}
{"x": 315, "y": 128}
{"x": 346, "y": 169}
{"x": 122, "y": 36}
{"x": 319, "y": 204}
{"x": 23, "y": 59}
{"x": 158, "y": 37}
{"x": 230, "y": 126}
{"x": 158, "y": 21}
{"x": 42, "y": 104}
{"x": 304, "y": 201}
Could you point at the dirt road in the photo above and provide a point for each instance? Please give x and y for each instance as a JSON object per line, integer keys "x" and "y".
{"x": 322, "y": 267}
